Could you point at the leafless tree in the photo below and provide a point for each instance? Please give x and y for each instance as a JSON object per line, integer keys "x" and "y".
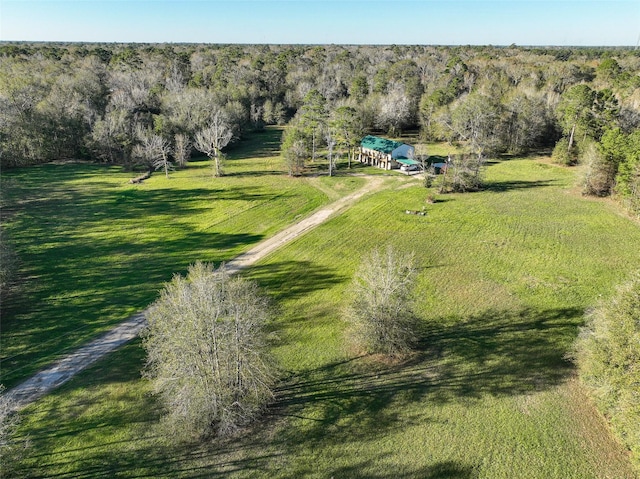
{"x": 395, "y": 109}
{"x": 154, "y": 150}
{"x": 331, "y": 143}
{"x": 8, "y": 421}
{"x": 207, "y": 352}
{"x": 212, "y": 139}
{"x": 381, "y": 311}
{"x": 181, "y": 149}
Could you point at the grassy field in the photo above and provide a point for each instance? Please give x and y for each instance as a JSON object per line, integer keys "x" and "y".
{"x": 506, "y": 276}
{"x": 95, "y": 249}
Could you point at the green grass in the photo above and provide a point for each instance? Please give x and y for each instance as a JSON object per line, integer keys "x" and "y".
{"x": 95, "y": 249}
{"x": 506, "y": 275}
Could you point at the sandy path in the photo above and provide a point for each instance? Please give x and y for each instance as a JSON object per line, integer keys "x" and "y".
{"x": 64, "y": 369}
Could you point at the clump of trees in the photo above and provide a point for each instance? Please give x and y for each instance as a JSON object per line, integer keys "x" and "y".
{"x": 381, "y": 310}
{"x": 462, "y": 173}
{"x": 607, "y": 353}
{"x": 207, "y": 356}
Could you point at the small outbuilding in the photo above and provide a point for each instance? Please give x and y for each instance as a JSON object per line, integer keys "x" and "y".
{"x": 385, "y": 153}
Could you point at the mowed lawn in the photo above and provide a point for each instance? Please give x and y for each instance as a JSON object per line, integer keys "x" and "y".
{"x": 94, "y": 249}
{"x": 506, "y": 275}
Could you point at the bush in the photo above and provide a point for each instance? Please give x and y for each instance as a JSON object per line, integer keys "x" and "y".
{"x": 562, "y": 155}
{"x": 207, "y": 355}
{"x": 381, "y": 311}
{"x": 8, "y": 421}
{"x": 599, "y": 175}
{"x": 607, "y": 353}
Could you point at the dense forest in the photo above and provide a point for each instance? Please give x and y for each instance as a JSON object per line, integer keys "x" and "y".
{"x": 154, "y": 105}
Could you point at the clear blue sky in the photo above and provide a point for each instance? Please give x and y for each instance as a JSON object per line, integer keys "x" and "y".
{"x": 441, "y": 22}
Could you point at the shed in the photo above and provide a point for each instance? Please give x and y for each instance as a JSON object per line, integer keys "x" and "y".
{"x": 382, "y": 152}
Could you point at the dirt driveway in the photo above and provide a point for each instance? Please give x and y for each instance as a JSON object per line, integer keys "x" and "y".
{"x": 64, "y": 369}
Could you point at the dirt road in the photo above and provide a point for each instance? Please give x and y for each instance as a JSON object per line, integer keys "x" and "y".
{"x": 64, "y": 369}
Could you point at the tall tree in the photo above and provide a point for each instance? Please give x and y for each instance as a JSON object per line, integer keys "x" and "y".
{"x": 628, "y": 179}
{"x": 294, "y": 148}
{"x": 181, "y": 149}
{"x": 313, "y": 118}
{"x": 395, "y": 109}
{"x": 329, "y": 137}
{"x": 207, "y": 352}
{"x": 477, "y": 119}
{"x": 575, "y": 111}
{"x": 212, "y": 139}
{"x": 348, "y": 129}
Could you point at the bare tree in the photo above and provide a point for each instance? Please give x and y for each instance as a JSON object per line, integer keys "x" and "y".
{"x": 212, "y": 139}
{"x": 154, "y": 150}
{"x": 181, "y": 149}
{"x": 331, "y": 143}
{"x": 395, "y": 110}
{"x": 207, "y": 352}
{"x": 294, "y": 148}
{"x": 381, "y": 310}
{"x": 462, "y": 173}
{"x": 476, "y": 118}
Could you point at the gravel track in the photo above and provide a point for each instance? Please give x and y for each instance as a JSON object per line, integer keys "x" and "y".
{"x": 64, "y": 369}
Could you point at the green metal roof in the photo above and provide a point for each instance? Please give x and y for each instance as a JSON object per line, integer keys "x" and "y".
{"x": 407, "y": 161}
{"x": 379, "y": 144}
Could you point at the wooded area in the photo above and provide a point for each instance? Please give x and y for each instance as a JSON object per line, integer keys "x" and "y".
{"x": 148, "y": 105}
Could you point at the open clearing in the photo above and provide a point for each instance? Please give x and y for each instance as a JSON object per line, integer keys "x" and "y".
{"x": 63, "y": 370}
{"x": 95, "y": 249}
{"x": 506, "y": 276}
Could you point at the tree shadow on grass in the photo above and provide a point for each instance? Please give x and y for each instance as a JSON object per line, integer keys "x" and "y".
{"x": 293, "y": 279}
{"x": 439, "y": 470}
{"x": 503, "y": 186}
{"x": 261, "y": 144}
{"x": 497, "y": 353}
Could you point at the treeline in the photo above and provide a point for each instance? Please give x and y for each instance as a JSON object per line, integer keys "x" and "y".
{"x": 147, "y": 104}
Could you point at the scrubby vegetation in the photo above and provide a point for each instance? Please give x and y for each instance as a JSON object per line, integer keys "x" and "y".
{"x": 608, "y": 357}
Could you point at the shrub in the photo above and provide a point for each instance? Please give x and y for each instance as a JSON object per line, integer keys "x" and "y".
{"x": 381, "y": 311}
{"x": 599, "y": 175}
{"x": 9, "y": 449}
{"x": 562, "y": 155}
{"x": 607, "y": 353}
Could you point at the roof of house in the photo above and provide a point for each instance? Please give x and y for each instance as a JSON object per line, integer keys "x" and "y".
{"x": 406, "y": 161}
{"x": 379, "y": 144}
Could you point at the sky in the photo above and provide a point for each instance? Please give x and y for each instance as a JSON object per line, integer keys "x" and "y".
{"x": 422, "y": 22}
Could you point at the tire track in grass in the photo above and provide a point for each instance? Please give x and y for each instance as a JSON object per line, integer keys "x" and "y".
{"x": 66, "y": 368}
